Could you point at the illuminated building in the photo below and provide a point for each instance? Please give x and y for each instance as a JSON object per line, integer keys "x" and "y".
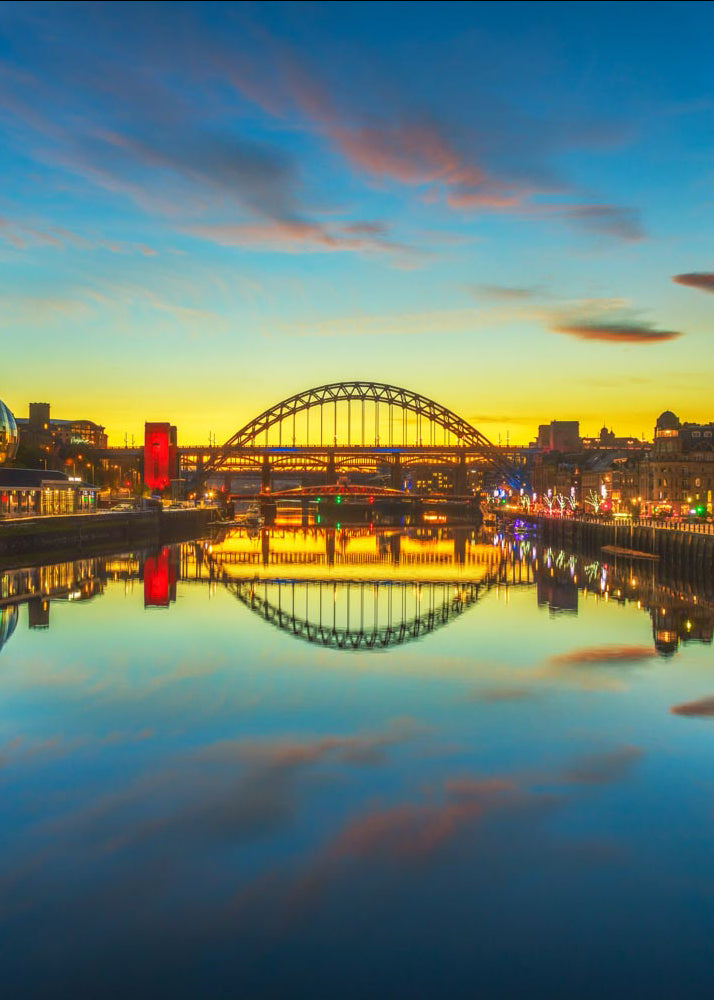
{"x": 680, "y": 472}
{"x": 160, "y": 455}
{"x": 608, "y": 439}
{"x": 555, "y": 474}
{"x": 427, "y": 479}
{"x": 33, "y": 492}
{"x": 39, "y": 430}
{"x": 614, "y": 476}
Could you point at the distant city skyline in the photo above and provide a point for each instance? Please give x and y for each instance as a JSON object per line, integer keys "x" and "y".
{"x": 505, "y": 207}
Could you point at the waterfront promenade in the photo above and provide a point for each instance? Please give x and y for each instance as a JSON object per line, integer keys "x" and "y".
{"x": 671, "y": 541}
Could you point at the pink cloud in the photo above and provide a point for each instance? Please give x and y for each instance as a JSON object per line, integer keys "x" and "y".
{"x": 703, "y": 708}
{"x": 482, "y": 199}
{"x": 419, "y": 829}
{"x": 703, "y": 280}
{"x": 617, "y": 333}
{"x": 411, "y": 154}
{"x": 605, "y": 654}
{"x": 298, "y": 236}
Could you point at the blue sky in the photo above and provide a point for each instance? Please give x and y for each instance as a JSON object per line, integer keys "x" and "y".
{"x": 208, "y": 207}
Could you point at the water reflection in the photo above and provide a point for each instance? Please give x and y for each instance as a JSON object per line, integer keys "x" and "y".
{"x": 507, "y": 768}
{"x": 367, "y": 588}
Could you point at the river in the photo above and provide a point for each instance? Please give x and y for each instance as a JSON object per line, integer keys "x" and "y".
{"x": 352, "y": 764}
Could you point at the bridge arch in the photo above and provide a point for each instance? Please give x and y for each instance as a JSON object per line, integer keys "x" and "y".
{"x": 426, "y": 411}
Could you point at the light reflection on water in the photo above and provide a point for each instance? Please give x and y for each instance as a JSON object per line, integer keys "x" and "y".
{"x": 319, "y": 762}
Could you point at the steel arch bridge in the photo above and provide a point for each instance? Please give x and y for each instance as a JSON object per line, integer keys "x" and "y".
{"x": 428, "y": 416}
{"x": 387, "y": 621}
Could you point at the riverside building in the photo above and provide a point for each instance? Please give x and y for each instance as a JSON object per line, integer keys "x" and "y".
{"x": 28, "y": 492}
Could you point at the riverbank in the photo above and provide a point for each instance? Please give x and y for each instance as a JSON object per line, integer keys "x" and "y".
{"x": 673, "y": 546}
{"x": 82, "y": 534}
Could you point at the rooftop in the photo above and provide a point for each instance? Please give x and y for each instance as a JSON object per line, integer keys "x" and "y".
{"x": 19, "y": 479}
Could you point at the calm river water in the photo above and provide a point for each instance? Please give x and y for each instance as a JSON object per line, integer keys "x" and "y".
{"x": 355, "y": 765}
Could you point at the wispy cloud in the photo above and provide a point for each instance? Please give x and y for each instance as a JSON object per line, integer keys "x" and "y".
{"x": 416, "y": 830}
{"x": 22, "y": 235}
{"x": 603, "y": 768}
{"x": 702, "y": 708}
{"x": 604, "y": 655}
{"x": 703, "y": 280}
{"x": 617, "y": 333}
{"x": 237, "y": 814}
{"x": 170, "y": 156}
{"x": 191, "y": 155}
{"x": 608, "y": 220}
{"x": 299, "y": 236}
{"x": 508, "y": 293}
{"x": 497, "y": 695}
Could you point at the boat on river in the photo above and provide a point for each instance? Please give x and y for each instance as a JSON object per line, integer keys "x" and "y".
{"x": 252, "y": 518}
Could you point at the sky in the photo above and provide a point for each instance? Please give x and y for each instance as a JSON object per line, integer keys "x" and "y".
{"x": 507, "y": 207}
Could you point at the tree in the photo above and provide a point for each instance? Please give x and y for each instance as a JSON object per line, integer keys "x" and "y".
{"x": 595, "y": 500}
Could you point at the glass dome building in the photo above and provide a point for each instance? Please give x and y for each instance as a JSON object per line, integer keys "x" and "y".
{"x": 9, "y": 437}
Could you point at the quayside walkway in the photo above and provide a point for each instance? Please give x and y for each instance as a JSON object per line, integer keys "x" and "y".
{"x": 672, "y": 542}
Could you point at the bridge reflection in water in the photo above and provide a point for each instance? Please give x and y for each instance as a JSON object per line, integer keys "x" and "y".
{"x": 356, "y": 589}
{"x": 350, "y": 614}
{"x": 365, "y": 589}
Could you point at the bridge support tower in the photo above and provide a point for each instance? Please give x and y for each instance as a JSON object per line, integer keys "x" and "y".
{"x": 265, "y": 475}
{"x": 460, "y": 476}
{"x": 397, "y": 472}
